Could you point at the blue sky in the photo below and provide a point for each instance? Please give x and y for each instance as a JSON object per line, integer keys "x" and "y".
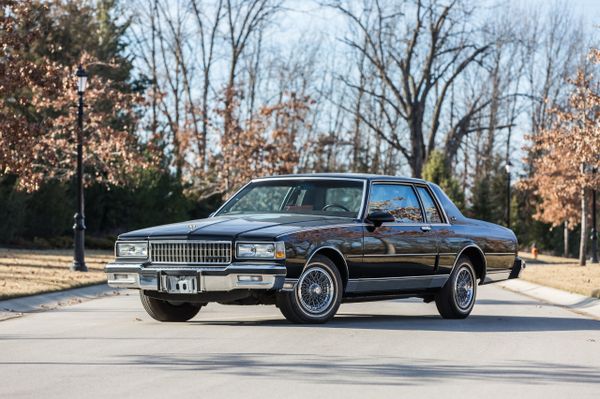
{"x": 307, "y": 21}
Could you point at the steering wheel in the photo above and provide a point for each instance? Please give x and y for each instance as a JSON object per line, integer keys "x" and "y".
{"x": 335, "y": 206}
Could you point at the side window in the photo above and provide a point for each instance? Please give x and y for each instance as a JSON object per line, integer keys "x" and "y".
{"x": 431, "y": 211}
{"x": 397, "y": 199}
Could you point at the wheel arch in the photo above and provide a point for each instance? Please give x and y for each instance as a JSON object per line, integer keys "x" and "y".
{"x": 477, "y": 257}
{"x": 336, "y": 256}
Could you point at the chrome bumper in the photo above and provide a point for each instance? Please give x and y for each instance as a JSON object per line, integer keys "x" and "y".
{"x": 232, "y": 277}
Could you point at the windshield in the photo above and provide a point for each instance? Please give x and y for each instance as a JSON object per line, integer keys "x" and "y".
{"x": 315, "y": 197}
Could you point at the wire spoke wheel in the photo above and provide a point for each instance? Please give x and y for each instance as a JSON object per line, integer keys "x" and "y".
{"x": 315, "y": 290}
{"x": 464, "y": 290}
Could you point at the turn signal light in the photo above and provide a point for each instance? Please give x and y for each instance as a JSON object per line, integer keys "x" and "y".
{"x": 279, "y": 250}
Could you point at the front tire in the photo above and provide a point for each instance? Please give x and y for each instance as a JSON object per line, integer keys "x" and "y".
{"x": 168, "y": 311}
{"x": 457, "y": 297}
{"x": 316, "y": 296}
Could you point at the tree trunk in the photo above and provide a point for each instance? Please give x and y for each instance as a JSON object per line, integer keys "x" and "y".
{"x": 566, "y": 240}
{"x": 583, "y": 241}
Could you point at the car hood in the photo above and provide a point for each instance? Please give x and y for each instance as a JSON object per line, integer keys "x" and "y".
{"x": 254, "y": 226}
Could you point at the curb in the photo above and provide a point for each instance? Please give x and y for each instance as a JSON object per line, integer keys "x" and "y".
{"x": 15, "y": 307}
{"x": 577, "y": 303}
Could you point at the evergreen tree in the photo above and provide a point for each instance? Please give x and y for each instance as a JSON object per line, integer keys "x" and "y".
{"x": 436, "y": 171}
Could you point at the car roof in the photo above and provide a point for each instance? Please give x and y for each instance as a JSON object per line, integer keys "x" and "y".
{"x": 362, "y": 176}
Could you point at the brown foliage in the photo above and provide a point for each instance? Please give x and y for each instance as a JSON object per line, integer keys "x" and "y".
{"x": 265, "y": 144}
{"x": 567, "y": 151}
{"x": 38, "y": 101}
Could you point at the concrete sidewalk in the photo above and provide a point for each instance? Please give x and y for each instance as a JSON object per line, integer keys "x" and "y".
{"x": 15, "y": 307}
{"x": 578, "y": 303}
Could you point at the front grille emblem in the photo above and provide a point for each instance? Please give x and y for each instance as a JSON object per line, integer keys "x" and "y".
{"x": 192, "y": 226}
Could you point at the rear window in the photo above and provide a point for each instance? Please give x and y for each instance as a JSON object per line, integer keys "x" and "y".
{"x": 431, "y": 211}
{"x": 451, "y": 210}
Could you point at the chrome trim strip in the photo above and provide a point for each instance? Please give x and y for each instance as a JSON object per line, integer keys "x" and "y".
{"x": 147, "y": 278}
{"x": 177, "y": 255}
{"x": 438, "y": 204}
{"x": 502, "y": 253}
{"x": 333, "y": 226}
{"x": 424, "y": 277}
{"x": 463, "y": 250}
{"x": 328, "y": 247}
{"x": 391, "y": 284}
{"x": 360, "y": 223}
{"x": 399, "y": 255}
{"x": 412, "y": 184}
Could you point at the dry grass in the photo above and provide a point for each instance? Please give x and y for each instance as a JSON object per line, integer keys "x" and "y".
{"x": 563, "y": 273}
{"x": 29, "y": 272}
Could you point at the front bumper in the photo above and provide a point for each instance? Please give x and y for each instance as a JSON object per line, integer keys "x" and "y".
{"x": 210, "y": 279}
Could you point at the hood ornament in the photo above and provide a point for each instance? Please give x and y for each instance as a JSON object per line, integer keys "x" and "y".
{"x": 192, "y": 226}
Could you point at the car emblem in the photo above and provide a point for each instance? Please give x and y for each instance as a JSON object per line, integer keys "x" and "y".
{"x": 192, "y": 226}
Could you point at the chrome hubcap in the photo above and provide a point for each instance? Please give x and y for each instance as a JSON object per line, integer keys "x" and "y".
{"x": 464, "y": 288}
{"x": 315, "y": 290}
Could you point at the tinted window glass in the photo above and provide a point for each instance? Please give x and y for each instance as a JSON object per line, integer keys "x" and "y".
{"x": 431, "y": 211}
{"x": 399, "y": 200}
{"x": 451, "y": 210}
{"x": 320, "y": 197}
{"x": 260, "y": 199}
{"x": 349, "y": 198}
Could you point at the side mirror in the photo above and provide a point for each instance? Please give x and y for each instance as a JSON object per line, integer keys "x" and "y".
{"x": 380, "y": 217}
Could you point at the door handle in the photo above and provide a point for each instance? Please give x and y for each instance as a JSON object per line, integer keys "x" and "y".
{"x": 425, "y": 228}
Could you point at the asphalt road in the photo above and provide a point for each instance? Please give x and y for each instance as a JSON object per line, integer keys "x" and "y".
{"x": 510, "y": 347}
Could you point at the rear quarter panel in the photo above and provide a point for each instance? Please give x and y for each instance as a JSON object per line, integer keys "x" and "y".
{"x": 498, "y": 244}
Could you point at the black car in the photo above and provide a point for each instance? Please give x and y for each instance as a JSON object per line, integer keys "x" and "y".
{"x": 306, "y": 243}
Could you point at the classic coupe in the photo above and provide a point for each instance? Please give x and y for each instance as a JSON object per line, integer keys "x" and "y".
{"x": 307, "y": 243}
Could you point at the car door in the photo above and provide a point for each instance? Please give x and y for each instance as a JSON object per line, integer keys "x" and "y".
{"x": 404, "y": 248}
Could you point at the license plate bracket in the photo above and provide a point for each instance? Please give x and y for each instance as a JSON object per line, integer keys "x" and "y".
{"x": 179, "y": 284}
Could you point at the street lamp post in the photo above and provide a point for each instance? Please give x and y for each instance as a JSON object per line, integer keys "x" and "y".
{"x": 79, "y": 226}
{"x": 594, "y": 227}
{"x": 507, "y": 167}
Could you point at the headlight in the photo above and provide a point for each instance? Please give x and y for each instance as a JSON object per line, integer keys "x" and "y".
{"x": 271, "y": 250}
{"x": 132, "y": 250}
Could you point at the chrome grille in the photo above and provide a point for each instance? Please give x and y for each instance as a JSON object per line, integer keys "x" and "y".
{"x": 191, "y": 252}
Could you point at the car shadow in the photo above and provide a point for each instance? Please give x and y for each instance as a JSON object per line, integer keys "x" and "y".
{"x": 475, "y": 323}
{"x": 360, "y": 370}
{"x": 344, "y": 369}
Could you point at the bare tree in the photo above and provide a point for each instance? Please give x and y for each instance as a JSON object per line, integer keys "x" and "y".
{"x": 208, "y": 28}
{"x": 243, "y": 20}
{"x": 418, "y": 67}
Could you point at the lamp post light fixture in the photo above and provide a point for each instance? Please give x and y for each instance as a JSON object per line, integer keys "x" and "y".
{"x": 79, "y": 226}
{"x": 507, "y": 167}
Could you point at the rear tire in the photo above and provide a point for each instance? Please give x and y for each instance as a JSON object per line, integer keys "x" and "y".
{"x": 167, "y": 311}
{"x": 457, "y": 297}
{"x": 316, "y": 296}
